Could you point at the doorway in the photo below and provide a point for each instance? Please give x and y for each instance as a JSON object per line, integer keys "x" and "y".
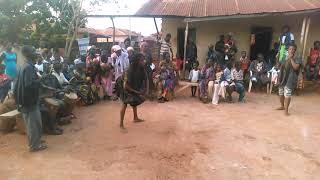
{"x": 180, "y": 40}
{"x": 261, "y": 42}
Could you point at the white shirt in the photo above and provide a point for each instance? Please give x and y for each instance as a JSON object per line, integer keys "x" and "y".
{"x": 61, "y": 59}
{"x": 194, "y": 76}
{"x": 60, "y": 77}
{"x": 283, "y": 40}
{"x": 39, "y": 67}
{"x": 122, "y": 64}
{"x": 77, "y": 61}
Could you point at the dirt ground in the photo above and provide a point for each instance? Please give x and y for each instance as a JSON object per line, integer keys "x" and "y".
{"x": 182, "y": 139}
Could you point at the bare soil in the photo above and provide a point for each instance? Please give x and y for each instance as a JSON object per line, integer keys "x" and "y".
{"x": 182, "y": 139}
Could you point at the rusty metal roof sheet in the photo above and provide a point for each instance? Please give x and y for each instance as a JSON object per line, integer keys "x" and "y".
{"x": 109, "y": 32}
{"x": 211, "y": 8}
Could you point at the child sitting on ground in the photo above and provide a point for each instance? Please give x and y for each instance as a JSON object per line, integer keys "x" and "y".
{"x": 194, "y": 78}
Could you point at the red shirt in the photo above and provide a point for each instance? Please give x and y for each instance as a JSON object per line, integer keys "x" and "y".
{"x": 245, "y": 62}
{"x": 3, "y": 78}
{"x": 179, "y": 63}
{"x": 314, "y": 56}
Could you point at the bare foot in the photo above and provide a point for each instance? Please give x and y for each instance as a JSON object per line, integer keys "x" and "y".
{"x": 286, "y": 113}
{"x": 123, "y": 130}
{"x": 280, "y": 108}
{"x": 138, "y": 120}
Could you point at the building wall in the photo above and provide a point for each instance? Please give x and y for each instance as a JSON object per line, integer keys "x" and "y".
{"x": 208, "y": 32}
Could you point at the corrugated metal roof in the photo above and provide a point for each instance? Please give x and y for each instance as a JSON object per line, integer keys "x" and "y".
{"x": 211, "y": 8}
{"x": 109, "y": 32}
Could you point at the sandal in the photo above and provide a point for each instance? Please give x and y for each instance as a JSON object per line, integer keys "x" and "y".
{"x": 41, "y": 147}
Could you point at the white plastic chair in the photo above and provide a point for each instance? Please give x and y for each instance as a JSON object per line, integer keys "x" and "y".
{"x": 250, "y": 83}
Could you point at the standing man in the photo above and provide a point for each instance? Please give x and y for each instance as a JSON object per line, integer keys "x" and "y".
{"x": 26, "y": 93}
{"x": 192, "y": 54}
{"x": 220, "y": 49}
{"x": 211, "y": 54}
{"x": 285, "y": 39}
{"x": 122, "y": 62}
{"x": 127, "y": 43}
{"x": 145, "y": 51}
{"x": 166, "y": 47}
{"x": 288, "y": 78}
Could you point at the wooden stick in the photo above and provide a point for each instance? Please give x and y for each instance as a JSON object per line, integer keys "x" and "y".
{"x": 114, "y": 31}
{"x": 185, "y": 49}
{"x": 306, "y": 37}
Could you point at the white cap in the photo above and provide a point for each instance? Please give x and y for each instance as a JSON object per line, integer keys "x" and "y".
{"x": 130, "y": 49}
{"x": 115, "y": 48}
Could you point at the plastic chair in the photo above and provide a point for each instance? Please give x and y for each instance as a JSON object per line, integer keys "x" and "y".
{"x": 250, "y": 83}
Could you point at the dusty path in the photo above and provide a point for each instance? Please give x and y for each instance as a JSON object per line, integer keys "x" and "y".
{"x": 183, "y": 139}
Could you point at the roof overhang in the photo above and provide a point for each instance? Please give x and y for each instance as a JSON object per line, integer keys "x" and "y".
{"x": 238, "y": 16}
{"x": 132, "y": 15}
{"x": 207, "y": 18}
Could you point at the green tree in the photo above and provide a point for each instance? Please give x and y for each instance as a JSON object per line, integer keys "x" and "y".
{"x": 15, "y": 23}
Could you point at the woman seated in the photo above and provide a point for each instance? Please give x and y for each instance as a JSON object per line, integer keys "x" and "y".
{"x": 207, "y": 75}
{"x": 313, "y": 63}
{"x": 259, "y": 71}
{"x": 165, "y": 82}
{"x": 83, "y": 85}
{"x": 5, "y": 83}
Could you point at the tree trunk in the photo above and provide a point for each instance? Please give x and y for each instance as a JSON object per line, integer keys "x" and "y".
{"x": 73, "y": 38}
{"x": 67, "y": 42}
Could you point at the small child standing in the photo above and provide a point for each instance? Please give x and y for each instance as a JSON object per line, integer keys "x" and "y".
{"x": 275, "y": 71}
{"x": 245, "y": 63}
{"x": 217, "y": 88}
{"x": 194, "y": 78}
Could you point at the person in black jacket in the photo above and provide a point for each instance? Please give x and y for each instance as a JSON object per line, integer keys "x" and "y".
{"x": 26, "y": 93}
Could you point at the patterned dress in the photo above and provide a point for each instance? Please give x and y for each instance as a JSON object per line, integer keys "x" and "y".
{"x": 206, "y": 74}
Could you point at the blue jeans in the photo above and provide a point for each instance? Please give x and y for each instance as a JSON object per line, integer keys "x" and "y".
{"x": 240, "y": 89}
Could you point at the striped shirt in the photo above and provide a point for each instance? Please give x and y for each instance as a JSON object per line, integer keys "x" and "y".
{"x": 165, "y": 47}
{"x": 237, "y": 75}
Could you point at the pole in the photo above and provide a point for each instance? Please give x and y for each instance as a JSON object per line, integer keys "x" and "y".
{"x": 130, "y": 29}
{"x": 185, "y": 49}
{"x": 306, "y": 37}
{"x": 303, "y": 31}
{"x": 114, "y": 31}
{"x": 155, "y": 23}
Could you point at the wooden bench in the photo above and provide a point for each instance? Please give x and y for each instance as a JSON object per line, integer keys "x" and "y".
{"x": 185, "y": 85}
